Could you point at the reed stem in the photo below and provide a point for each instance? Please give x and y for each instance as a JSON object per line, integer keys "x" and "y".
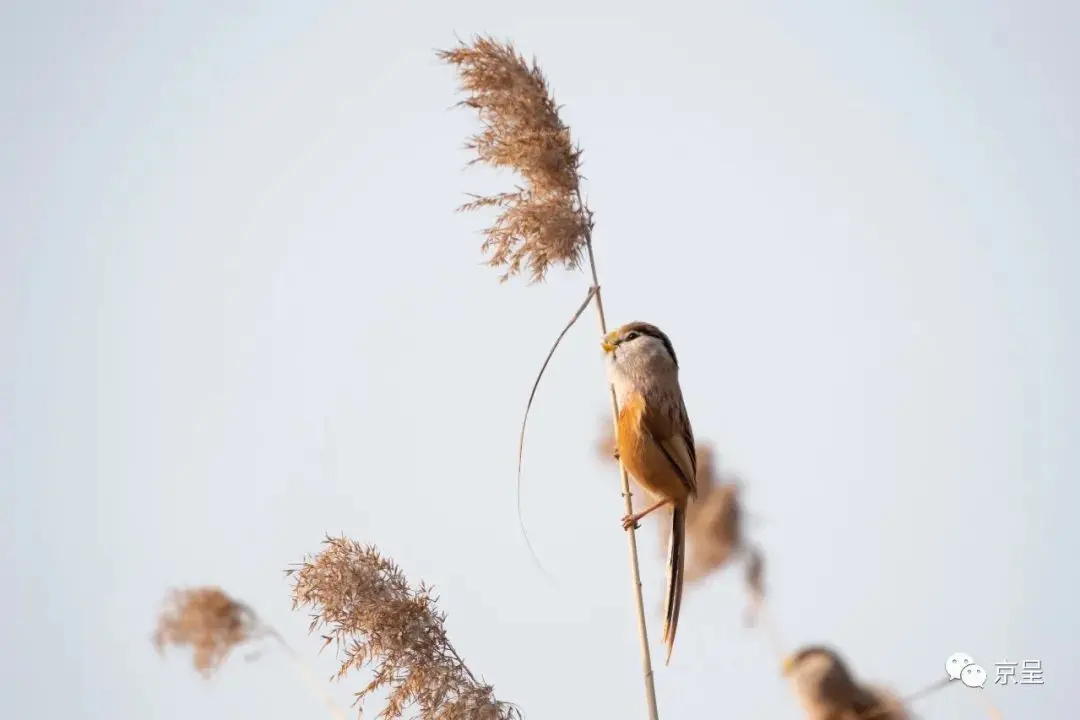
{"x": 631, "y": 537}
{"x": 307, "y": 676}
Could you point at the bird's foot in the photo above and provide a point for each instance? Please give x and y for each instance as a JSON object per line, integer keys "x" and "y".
{"x": 615, "y": 454}
{"x": 630, "y": 521}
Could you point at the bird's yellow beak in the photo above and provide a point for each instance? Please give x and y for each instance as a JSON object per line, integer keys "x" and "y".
{"x": 608, "y": 343}
{"x": 787, "y": 665}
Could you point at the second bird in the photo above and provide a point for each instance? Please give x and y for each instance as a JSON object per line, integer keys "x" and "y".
{"x": 655, "y": 442}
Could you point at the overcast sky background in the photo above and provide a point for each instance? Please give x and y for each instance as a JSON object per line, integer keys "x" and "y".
{"x": 238, "y": 311}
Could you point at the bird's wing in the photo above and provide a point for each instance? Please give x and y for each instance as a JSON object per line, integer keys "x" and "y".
{"x": 672, "y": 433}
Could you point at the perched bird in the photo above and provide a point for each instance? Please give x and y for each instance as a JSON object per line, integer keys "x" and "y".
{"x": 655, "y": 442}
{"x": 828, "y": 691}
{"x": 823, "y": 683}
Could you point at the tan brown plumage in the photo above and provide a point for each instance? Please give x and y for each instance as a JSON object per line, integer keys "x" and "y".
{"x": 827, "y": 689}
{"x": 823, "y": 684}
{"x": 714, "y": 516}
{"x": 873, "y": 703}
{"x": 655, "y": 442}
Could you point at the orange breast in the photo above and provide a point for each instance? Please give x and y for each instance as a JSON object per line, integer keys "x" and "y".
{"x": 641, "y": 457}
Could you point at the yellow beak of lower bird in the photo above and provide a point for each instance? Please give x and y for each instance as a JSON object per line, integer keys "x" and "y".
{"x": 788, "y": 664}
{"x": 608, "y": 343}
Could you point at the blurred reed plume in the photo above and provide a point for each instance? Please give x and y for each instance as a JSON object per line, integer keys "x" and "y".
{"x": 543, "y": 223}
{"x": 213, "y": 623}
{"x": 365, "y": 605}
{"x": 714, "y": 524}
{"x": 207, "y": 620}
{"x": 715, "y": 530}
{"x": 546, "y": 221}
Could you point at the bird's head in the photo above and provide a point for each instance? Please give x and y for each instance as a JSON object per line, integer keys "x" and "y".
{"x": 639, "y": 346}
{"x": 819, "y": 672}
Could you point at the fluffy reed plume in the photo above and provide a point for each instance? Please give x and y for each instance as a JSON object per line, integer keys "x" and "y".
{"x": 713, "y": 518}
{"x": 715, "y": 531}
{"x": 213, "y": 623}
{"x": 363, "y": 603}
{"x": 543, "y": 223}
{"x": 546, "y": 221}
{"x": 207, "y": 620}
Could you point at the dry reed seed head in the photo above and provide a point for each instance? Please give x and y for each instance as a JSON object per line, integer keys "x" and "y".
{"x": 545, "y": 222}
{"x": 362, "y": 601}
{"x": 714, "y": 531}
{"x": 209, "y": 621}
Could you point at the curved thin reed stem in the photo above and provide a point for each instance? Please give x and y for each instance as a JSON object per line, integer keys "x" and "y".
{"x": 306, "y": 675}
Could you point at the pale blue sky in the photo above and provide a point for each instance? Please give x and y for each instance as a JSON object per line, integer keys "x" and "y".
{"x": 237, "y": 311}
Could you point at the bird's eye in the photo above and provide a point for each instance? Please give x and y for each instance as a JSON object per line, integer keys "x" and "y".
{"x": 631, "y": 335}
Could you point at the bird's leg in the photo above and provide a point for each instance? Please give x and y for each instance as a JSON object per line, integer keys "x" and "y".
{"x": 632, "y": 520}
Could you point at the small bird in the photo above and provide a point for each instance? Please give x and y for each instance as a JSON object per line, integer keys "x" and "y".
{"x": 655, "y": 442}
{"x": 828, "y": 691}
{"x": 823, "y": 683}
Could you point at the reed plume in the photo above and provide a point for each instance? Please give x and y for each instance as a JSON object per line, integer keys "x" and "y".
{"x": 214, "y": 624}
{"x": 715, "y": 531}
{"x": 363, "y": 603}
{"x": 543, "y": 222}
{"x": 208, "y": 621}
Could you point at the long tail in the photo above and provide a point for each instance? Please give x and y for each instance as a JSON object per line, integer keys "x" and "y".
{"x": 675, "y": 571}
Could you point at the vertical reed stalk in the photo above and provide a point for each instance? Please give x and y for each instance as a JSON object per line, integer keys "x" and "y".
{"x": 628, "y": 502}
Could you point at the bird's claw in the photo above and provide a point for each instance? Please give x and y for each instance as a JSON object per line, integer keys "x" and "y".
{"x": 615, "y": 454}
{"x": 630, "y": 521}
